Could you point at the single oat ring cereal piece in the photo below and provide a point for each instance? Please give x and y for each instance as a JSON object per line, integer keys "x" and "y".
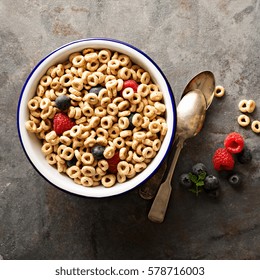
{"x": 250, "y": 106}
{"x": 243, "y": 120}
{"x": 219, "y": 91}
{"x": 242, "y": 105}
{"x": 255, "y": 126}
{"x": 100, "y": 118}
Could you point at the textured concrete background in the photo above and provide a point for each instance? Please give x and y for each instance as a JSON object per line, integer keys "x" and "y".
{"x": 39, "y": 221}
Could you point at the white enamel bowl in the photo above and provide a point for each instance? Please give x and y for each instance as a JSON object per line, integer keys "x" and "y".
{"x": 32, "y": 145}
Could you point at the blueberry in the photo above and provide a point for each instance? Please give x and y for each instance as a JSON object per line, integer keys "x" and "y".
{"x": 130, "y": 117}
{"x": 211, "y": 183}
{"x": 245, "y": 156}
{"x": 199, "y": 168}
{"x": 62, "y": 102}
{"x": 71, "y": 162}
{"x": 235, "y": 180}
{"x": 97, "y": 151}
{"x": 96, "y": 89}
{"x": 185, "y": 181}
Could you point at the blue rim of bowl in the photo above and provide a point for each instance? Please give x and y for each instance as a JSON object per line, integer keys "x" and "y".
{"x": 173, "y": 103}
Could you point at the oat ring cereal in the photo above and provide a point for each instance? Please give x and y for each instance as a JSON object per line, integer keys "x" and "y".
{"x": 47, "y": 149}
{"x": 128, "y": 93}
{"x": 137, "y": 120}
{"x": 250, "y": 106}
{"x": 31, "y": 126}
{"x": 154, "y": 127}
{"x": 99, "y": 116}
{"x": 243, "y": 120}
{"x": 86, "y": 181}
{"x": 88, "y": 171}
{"x": 255, "y": 126}
{"x": 139, "y": 167}
{"x": 108, "y": 180}
{"x": 123, "y": 168}
{"x": 219, "y": 91}
{"x": 242, "y": 106}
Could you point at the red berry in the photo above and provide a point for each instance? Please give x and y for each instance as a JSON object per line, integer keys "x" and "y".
{"x": 234, "y": 143}
{"x": 223, "y": 160}
{"x": 61, "y": 123}
{"x": 113, "y": 162}
{"x": 129, "y": 83}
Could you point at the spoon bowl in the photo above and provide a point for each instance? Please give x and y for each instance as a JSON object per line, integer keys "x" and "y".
{"x": 205, "y": 82}
{"x": 191, "y": 113}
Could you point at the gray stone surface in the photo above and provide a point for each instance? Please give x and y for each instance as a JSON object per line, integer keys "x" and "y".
{"x": 39, "y": 221}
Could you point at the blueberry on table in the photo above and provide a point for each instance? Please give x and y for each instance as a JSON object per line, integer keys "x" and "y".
{"x": 62, "y": 102}
{"x": 185, "y": 181}
{"x": 211, "y": 183}
{"x": 97, "y": 151}
{"x": 199, "y": 168}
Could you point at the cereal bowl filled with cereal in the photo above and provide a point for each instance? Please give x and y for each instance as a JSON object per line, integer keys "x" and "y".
{"x": 96, "y": 117}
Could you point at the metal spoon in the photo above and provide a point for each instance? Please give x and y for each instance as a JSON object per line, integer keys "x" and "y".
{"x": 205, "y": 82}
{"x": 191, "y": 113}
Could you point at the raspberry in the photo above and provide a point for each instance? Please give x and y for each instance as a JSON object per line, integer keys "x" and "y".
{"x": 223, "y": 160}
{"x": 113, "y": 162}
{"x": 61, "y": 123}
{"x": 234, "y": 143}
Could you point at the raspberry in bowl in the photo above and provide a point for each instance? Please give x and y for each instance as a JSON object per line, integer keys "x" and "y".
{"x": 96, "y": 117}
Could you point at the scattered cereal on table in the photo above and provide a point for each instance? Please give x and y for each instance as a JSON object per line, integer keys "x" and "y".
{"x": 219, "y": 91}
{"x": 256, "y": 126}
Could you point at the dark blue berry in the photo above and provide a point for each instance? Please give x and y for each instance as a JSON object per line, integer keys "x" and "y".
{"x": 71, "y": 162}
{"x": 97, "y": 151}
{"x": 244, "y": 156}
{"x": 130, "y": 117}
{"x": 198, "y": 168}
{"x": 96, "y": 89}
{"x": 211, "y": 183}
{"x": 185, "y": 181}
{"x": 62, "y": 102}
{"x": 235, "y": 180}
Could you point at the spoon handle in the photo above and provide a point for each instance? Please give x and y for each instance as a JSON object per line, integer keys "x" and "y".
{"x": 160, "y": 203}
{"x": 148, "y": 190}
